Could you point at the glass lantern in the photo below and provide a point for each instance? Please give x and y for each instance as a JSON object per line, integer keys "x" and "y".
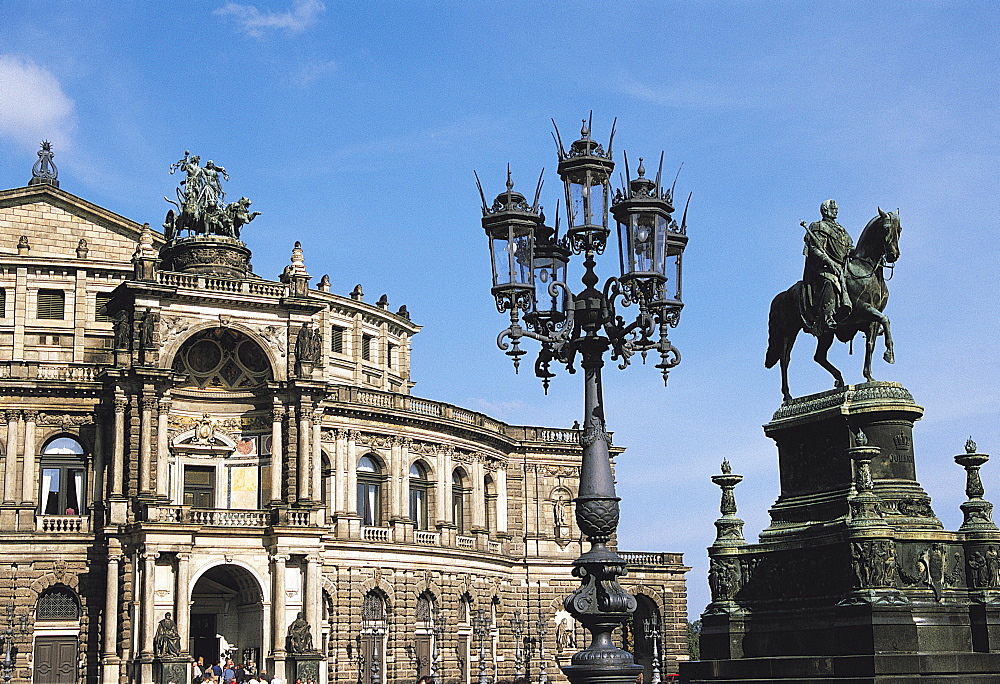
{"x": 586, "y": 172}
{"x": 510, "y": 226}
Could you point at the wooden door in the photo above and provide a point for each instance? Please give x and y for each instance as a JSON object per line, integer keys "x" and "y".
{"x": 55, "y": 660}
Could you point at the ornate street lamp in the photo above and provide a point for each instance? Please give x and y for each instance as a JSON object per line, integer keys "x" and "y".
{"x": 586, "y": 325}
{"x": 16, "y": 625}
{"x": 437, "y": 626}
{"x": 542, "y": 629}
{"x": 517, "y": 626}
{"x": 652, "y": 629}
{"x": 480, "y": 628}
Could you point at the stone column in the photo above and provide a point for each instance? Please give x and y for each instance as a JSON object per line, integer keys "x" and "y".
{"x": 97, "y": 484}
{"x": 351, "y": 504}
{"x": 277, "y": 416}
{"x": 303, "y": 492}
{"x": 148, "y": 405}
{"x": 395, "y": 474}
{"x": 278, "y": 625}
{"x": 313, "y": 596}
{"x": 146, "y": 602}
{"x": 501, "y": 482}
{"x": 118, "y": 446}
{"x": 163, "y": 450}
{"x": 28, "y": 494}
{"x": 182, "y": 602}
{"x": 10, "y": 471}
{"x": 339, "y": 476}
{"x": 317, "y": 456}
{"x": 441, "y": 486}
{"x": 109, "y": 658}
{"x": 477, "y": 474}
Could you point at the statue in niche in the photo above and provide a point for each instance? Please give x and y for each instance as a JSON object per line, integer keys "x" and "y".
{"x": 308, "y": 344}
{"x": 300, "y": 635}
{"x": 166, "y": 641}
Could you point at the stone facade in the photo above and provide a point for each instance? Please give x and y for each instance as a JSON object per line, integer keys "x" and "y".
{"x": 236, "y": 451}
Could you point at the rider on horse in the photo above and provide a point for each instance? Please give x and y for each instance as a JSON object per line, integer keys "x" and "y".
{"x": 825, "y": 298}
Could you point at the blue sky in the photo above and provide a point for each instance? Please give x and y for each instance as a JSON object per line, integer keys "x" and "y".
{"x": 355, "y": 128}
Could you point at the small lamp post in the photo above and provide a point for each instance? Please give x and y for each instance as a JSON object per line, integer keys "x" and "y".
{"x": 16, "y": 625}
{"x": 376, "y": 667}
{"x": 542, "y": 630}
{"x": 437, "y": 627}
{"x": 652, "y": 628}
{"x": 480, "y": 628}
{"x": 527, "y": 258}
{"x": 517, "y": 626}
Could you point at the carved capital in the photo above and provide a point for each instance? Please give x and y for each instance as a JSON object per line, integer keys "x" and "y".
{"x": 150, "y": 403}
{"x": 121, "y": 403}
{"x": 12, "y": 416}
{"x": 277, "y": 414}
{"x": 164, "y": 405}
{"x": 30, "y": 416}
{"x": 279, "y": 558}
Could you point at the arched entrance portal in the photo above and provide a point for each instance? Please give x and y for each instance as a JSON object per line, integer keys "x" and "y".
{"x": 227, "y": 615}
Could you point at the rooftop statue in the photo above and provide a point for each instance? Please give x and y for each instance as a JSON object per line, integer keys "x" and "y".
{"x": 842, "y": 292}
{"x": 201, "y": 206}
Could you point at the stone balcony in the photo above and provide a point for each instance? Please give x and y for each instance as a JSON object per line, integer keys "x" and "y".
{"x": 62, "y": 524}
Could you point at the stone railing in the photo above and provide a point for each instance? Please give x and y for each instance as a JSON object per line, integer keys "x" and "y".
{"x": 207, "y": 517}
{"x": 436, "y": 409}
{"x": 211, "y": 283}
{"x": 465, "y": 542}
{"x": 650, "y": 558}
{"x": 495, "y": 547}
{"x": 427, "y": 538}
{"x": 376, "y": 534}
{"x": 62, "y": 524}
{"x": 34, "y": 370}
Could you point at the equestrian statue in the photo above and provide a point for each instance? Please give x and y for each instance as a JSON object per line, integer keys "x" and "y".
{"x": 842, "y": 292}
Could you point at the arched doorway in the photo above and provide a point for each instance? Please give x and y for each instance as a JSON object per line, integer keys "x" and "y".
{"x": 57, "y": 629}
{"x": 646, "y": 629}
{"x": 227, "y": 615}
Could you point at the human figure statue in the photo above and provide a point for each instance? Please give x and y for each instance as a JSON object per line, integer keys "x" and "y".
{"x": 166, "y": 641}
{"x": 308, "y": 345}
{"x": 299, "y": 635}
{"x": 213, "y": 194}
{"x": 559, "y": 513}
{"x": 826, "y": 250}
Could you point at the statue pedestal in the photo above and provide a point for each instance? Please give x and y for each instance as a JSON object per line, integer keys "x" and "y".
{"x": 813, "y": 434}
{"x": 206, "y": 255}
{"x": 305, "y": 666}
{"x": 851, "y": 582}
{"x": 176, "y": 670}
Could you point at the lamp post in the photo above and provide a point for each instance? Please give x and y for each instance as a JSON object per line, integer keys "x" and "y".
{"x": 480, "y": 628}
{"x": 437, "y": 627}
{"x": 376, "y": 667}
{"x": 542, "y": 630}
{"x": 16, "y": 625}
{"x": 652, "y": 629}
{"x": 517, "y": 626}
{"x": 529, "y": 266}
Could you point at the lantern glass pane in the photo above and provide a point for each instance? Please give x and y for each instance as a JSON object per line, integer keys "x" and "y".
{"x": 547, "y": 271}
{"x": 642, "y": 243}
{"x": 521, "y": 259}
{"x": 577, "y": 203}
{"x": 660, "y": 254}
{"x": 597, "y": 212}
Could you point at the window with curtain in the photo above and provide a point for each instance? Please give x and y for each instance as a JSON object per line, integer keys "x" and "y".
{"x": 419, "y": 491}
{"x": 63, "y": 477}
{"x": 369, "y": 491}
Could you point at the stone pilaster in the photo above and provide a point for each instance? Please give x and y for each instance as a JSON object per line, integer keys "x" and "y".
{"x": 118, "y": 446}
{"x": 109, "y": 657}
{"x": 317, "y": 456}
{"x": 277, "y": 416}
{"x": 10, "y": 470}
{"x": 340, "y": 476}
{"x": 278, "y": 626}
{"x": 303, "y": 490}
{"x": 314, "y": 595}
{"x": 146, "y": 602}
{"x": 162, "y": 450}
{"x": 148, "y": 406}
{"x": 182, "y": 602}
{"x": 501, "y": 482}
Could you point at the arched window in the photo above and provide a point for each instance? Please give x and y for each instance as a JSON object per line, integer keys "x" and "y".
{"x": 57, "y": 603}
{"x": 419, "y": 490}
{"x": 64, "y": 475}
{"x": 424, "y": 634}
{"x": 222, "y": 359}
{"x": 459, "y": 499}
{"x": 374, "y": 628}
{"x": 369, "y": 491}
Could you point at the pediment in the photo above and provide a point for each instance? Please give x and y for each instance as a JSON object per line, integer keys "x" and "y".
{"x": 55, "y": 221}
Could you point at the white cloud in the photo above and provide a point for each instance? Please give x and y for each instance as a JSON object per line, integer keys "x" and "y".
{"x": 254, "y": 22}
{"x": 33, "y": 106}
{"x": 309, "y": 71}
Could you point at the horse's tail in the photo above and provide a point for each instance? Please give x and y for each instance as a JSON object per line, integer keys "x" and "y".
{"x": 776, "y": 328}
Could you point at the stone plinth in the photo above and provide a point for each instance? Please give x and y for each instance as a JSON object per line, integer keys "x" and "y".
{"x": 207, "y": 255}
{"x": 813, "y": 434}
{"x": 854, "y": 580}
{"x": 305, "y": 666}
{"x": 172, "y": 670}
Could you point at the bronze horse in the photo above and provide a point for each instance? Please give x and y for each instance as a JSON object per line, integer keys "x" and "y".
{"x": 877, "y": 247}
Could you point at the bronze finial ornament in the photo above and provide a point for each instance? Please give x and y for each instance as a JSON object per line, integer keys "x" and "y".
{"x": 842, "y": 292}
